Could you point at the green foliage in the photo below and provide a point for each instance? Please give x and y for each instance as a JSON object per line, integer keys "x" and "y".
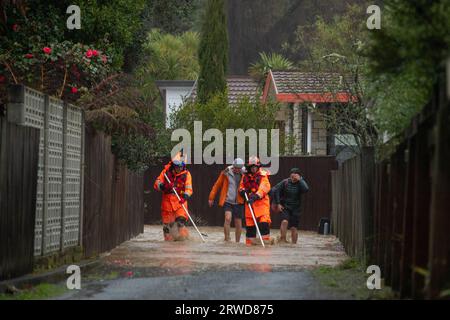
{"x": 136, "y": 125}
{"x": 168, "y": 57}
{"x": 110, "y": 24}
{"x": 217, "y": 113}
{"x": 337, "y": 49}
{"x": 267, "y": 62}
{"x": 138, "y": 150}
{"x": 73, "y": 71}
{"x": 170, "y": 16}
{"x": 213, "y": 51}
{"x": 405, "y": 57}
{"x": 107, "y": 27}
{"x": 56, "y": 72}
{"x": 413, "y": 33}
{"x": 336, "y": 44}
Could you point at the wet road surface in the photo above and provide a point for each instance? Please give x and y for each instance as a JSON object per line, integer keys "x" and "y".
{"x": 148, "y": 268}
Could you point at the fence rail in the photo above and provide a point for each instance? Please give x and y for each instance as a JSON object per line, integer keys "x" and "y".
{"x": 19, "y": 152}
{"x": 316, "y": 203}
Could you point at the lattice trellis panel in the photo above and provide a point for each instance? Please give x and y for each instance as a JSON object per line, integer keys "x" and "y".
{"x": 72, "y": 175}
{"x": 54, "y": 181}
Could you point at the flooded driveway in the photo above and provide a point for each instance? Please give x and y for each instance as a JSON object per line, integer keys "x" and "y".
{"x": 147, "y": 267}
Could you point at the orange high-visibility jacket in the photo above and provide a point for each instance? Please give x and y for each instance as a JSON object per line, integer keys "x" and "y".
{"x": 222, "y": 184}
{"x": 170, "y": 201}
{"x": 261, "y": 207}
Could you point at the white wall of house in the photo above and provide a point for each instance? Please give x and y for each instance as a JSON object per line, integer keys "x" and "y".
{"x": 174, "y": 99}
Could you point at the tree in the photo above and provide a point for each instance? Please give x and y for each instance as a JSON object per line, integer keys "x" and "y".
{"x": 213, "y": 51}
{"x": 217, "y": 113}
{"x": 170, "y": 16}
{"x": 117, "y": 107}
{"x": 29, "y": 26}
{"x": 404, "y": 57}
{"x": 271, "y": 61}
{"x": 168, "y": 57}
{"x": 335, "y": 54}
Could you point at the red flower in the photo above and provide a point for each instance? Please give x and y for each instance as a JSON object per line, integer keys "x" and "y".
{"x": 15, "y": 27}
{"x": 74, "y": 90}
{"x": 29, "y": 55}
{"x": 2, "y": 78}
{"x": 47, "y": 50}
{"x": 104, "y": 59}
{"x": 129, "y": 274}
{"x": 89, "y": 53}
{"x": 94, "y": 53}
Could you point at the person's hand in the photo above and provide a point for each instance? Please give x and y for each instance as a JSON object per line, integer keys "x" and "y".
{"x": 210, "y": 203}
{"x": 253, "y": 197}
{"x": 242, "y": 193}
{"x": 184, "y": 198}
{"x": 167, "y": 186}
{"x": 280, "y": 208}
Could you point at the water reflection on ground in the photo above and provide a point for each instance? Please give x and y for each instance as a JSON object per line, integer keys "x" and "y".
{"x": 149, "y": 251}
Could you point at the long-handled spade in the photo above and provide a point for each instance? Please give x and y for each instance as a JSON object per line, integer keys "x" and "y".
{"x": 179, "y": 199}
{"x": 254, "y": 220}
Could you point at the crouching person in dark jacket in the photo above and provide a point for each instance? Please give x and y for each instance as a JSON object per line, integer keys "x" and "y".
{"x": 287, "y": 200}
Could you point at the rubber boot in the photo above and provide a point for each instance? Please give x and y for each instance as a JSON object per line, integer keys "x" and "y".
{"x": 183, "y": 233}
{"x": 168, "y": 237}
{"x": 268, "y": 240}
{"x": 250, "y": 241}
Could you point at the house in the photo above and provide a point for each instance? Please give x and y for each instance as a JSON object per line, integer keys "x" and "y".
{"x": 304, "y": 128}
{"x": 175, "y": 92}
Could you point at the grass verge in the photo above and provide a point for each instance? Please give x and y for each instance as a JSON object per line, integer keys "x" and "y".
{"x": 350, "y": 277}
{"x": 39, "y": 292}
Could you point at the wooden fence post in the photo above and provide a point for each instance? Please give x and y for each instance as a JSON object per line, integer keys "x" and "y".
{"x": 439, "y": 249}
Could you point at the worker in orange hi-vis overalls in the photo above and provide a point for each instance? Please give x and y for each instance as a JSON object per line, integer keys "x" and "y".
{"x": 174, "y": 218}
{"x": 255, "y": 182}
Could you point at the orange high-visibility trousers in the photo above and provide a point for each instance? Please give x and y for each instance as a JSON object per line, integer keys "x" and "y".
{"x": 261, "y": 209}
{"x": 172, "y": 209}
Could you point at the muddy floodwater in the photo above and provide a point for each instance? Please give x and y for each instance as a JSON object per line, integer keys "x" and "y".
{"x": 149, "y": 250}
{"x": 147, "y": 267}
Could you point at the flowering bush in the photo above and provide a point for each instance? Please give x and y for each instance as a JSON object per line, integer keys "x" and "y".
{"x": 58, "y": 69}
{"x": 35, "y": 53}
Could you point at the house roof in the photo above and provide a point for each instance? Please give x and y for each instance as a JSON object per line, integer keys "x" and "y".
{"x": 238, "y": 87}
{"x": 297, "y": 86}
{"x": 174, "y": 83}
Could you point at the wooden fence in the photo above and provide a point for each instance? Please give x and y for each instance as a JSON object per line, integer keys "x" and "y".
{"x": 352, "y": 204}
{"x": 113, "y": 198}
{"x": 316, "y": 203}
{"x": 411, "y": 221}
{"x": 19, "y": 153}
